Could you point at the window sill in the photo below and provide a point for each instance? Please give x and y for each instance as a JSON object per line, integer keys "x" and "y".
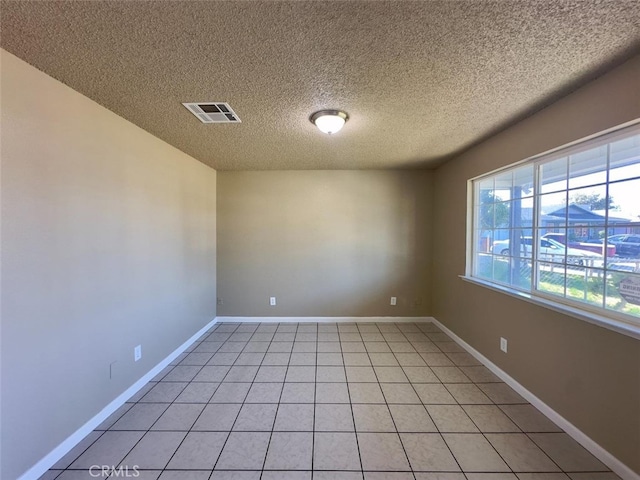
{"x": 618, "y": 326}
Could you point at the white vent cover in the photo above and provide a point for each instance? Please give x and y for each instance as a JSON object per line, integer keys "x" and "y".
{"x": 213, "y": 112}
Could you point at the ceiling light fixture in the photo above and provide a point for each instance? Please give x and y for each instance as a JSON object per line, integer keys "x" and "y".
{"x": 329, "y": 121}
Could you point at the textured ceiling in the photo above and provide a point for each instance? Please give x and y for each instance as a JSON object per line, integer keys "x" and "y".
{"x": 421, "y": 81}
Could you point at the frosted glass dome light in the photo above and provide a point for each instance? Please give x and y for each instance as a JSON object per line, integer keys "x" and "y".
{"x": 329, "y": 121}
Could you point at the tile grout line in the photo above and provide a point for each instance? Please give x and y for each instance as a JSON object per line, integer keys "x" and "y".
{"x": 483, "y": 433}
{"x": 266, "y": 453}
{"x": 84, "y": 450}
{"x": 385, "y": 397}
{"x": 208, "y": 332}
{"x": 416, "y": 392}
{"x": 241, "y": 403}
{"x": 460, "y": 405}
{"x": 353, "y": 418}
{"x": 207, "y": 403}
{"x": 157, "y": 419}
{"x": 479, "y": 429}
{"x": 315, "y": 386}
{"x": 480, "y": 432}
{"x": 423, "y": 405}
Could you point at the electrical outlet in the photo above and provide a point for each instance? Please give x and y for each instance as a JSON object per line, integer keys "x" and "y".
{"x": 503, "y": 344}
{"x": 272, "y": 301}
{"x": 394, "y": 300}
{"x": 137, "y": 353}
{"x": 219, "y": 301}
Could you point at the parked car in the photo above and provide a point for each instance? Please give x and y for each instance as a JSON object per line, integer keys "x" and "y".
{"x": 626, "y": 245}
{"x": 549, "y": 250}
{"x": 596, "y": 245}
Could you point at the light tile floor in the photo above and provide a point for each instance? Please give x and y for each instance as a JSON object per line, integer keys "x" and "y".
{"x": 329, "y": 402}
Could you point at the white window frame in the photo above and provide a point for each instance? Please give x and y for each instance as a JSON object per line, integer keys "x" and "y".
{"x": 610, "y": 319}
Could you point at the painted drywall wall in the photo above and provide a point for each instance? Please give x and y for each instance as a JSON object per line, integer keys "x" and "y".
{"x": 324, "y": 243}
{"x": 108, "y": 241}
{"x": 588, "y": 374}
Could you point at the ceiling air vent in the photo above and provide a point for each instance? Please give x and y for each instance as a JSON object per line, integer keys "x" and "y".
{"x": 213, "y": 112}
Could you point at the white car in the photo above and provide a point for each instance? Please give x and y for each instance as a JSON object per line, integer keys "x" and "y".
{"x": 549, "y": 250}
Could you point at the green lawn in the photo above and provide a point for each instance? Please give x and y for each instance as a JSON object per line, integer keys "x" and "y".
{"x": 591, "y": 290}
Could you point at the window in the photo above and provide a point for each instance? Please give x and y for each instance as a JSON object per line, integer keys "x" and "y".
{"x": 563, "y": 227}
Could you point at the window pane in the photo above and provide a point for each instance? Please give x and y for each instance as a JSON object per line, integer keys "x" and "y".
{"x": 485, "y": 187}
{"x": 553, "y": 210}
{"x": 590, "y": 199}
{"x": 627, "y": 246}
{"x": 550, "y": 250}
{"x": 485, "y": 213}
{"x": 484, "y": 199}
{"x": 504, "y": 185}
{"x": 625, "y": 159}
{"x": 585, "y": 232}
{"x": 500, "y": 242}
{"x": 521, "y": 213}
{"x": 523, "y": 246}
{"x": 553, "y": 175}
{"x": 502, "y": 214}
{"x": 624, "y": 198}
{"x": 491, "y": 211}
{"x": 483, "y": 266}
{"x": 622, "y": 264}
{"x": 556, "y": 234}
{"x": 623, "y": 293}
{"x": 585, "y": 285}
{"x": 588, "y": 167}
{"x": 500, "y": 266}
{"x": 512, "y": 243}
{"x": 483, "y": 240}
{"x": 521, "y": 273}
{"x": 551, "y": 278}
{"x": 523, "y": 182}
{"x": 512, "y": 271}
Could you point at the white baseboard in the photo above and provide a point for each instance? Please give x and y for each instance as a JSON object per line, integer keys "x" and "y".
{"x": 600, "y": 453}
{"x": 324, "y": 319}
{"x": 65, "y": 447}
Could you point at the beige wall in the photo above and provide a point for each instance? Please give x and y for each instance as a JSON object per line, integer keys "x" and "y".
{"x": 589, "y": 375}
{"x": 324, "y": 243}
{"x": 108, "y": 241}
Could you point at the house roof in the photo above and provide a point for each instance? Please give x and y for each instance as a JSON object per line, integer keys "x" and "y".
{"x": 575, "y": 213}
{"x": 420, "y": 80}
